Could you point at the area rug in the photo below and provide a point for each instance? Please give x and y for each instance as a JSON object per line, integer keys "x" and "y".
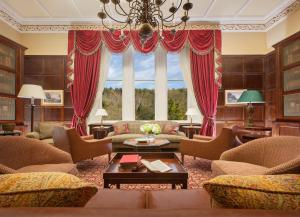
{"x": 199, "y": 171}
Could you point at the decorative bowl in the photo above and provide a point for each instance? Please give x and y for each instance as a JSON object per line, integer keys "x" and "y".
{"x": 8, "y": 127}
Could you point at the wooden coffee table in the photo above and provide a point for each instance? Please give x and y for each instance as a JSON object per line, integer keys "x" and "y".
{"x": 114, "y": 175}
{"x": 154, "y": 146}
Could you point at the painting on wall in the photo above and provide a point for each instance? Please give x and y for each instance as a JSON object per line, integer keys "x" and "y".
{"x": 7, "y": 109}
{"x": 53, "y": 98}
{"x": 232, "y": 96}
{"x": 292, "y": 105}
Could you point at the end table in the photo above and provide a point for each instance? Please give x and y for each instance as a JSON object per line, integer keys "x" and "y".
{"x": 100, "y": 132}
{"x": 11, "y": 133}
{"x": 191, "y": 130}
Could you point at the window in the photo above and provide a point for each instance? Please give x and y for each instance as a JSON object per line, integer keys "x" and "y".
{"x": 112, "y": 94}
{"x": 144, "y": 82}
{"x": 177, "y": 91}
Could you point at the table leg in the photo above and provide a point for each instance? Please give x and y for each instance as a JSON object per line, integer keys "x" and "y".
{"x": 184, "y": 184}
{"x": 173, "y": 186}
{"x": 106, "y": 184}
{"x": 118, "y": 186}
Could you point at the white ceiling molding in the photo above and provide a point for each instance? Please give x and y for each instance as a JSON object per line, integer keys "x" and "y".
{"x": 230, "y": 24}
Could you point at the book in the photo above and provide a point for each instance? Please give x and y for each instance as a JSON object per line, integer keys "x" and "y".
{"x": 130, "y": 159}
{"x": 156, "y": 166}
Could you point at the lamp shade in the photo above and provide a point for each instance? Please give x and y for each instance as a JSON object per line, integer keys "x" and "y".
{"x": 192, "y": 112}
{"x": 101, "y": 112}
{"x": 251, "y": 96}
{"x": 31, "y": 91}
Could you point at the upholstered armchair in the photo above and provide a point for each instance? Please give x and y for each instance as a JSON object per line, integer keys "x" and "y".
{"x": 265, "y": 156}
{"x": 207, "y": 147}
{"x": 80, "y": 148}
{"x": 20, "y": 154}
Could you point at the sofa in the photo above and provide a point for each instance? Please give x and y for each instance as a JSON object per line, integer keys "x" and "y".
{"x": 19, "y": 154}
{"x": 167, "y": 203}
{"x": 135, "y": 132}
{"x": 264, "y": 156}
{"x": 43, "y": 131}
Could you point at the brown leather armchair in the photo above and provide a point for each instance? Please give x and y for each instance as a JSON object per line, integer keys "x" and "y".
{"x": 80, "y": 148}
{"x": 207, "y": 147}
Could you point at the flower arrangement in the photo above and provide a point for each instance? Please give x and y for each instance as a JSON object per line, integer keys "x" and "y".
{"x": 150, "y": 129}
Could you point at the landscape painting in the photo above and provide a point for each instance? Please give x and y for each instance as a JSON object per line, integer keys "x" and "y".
{"x": 232, "y": 96}
{"x": 53, "y": 98}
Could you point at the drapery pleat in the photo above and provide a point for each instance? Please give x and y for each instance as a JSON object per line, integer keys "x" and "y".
{"x": 84, "y": 60}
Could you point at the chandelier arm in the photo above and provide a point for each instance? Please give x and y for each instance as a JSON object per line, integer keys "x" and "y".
{"x": 173, "y": 26}
{"x": 111, "y": 16}
{"x": 120, "y": 13}
{"x": 175, "y": 10}
{"x": 133, "y": 4}
{"x": 125, "y": 14}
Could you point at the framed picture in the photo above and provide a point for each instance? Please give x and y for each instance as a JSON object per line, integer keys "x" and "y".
{"x": 292, "y": 79}
{"x": 232, "y": 96}
{"x": 7, "y": 109}
{"x": 53, "y": 98}
{"x": 292, "y": 105}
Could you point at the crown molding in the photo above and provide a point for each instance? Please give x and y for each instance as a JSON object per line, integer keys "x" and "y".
{"x": 231, "y": 26}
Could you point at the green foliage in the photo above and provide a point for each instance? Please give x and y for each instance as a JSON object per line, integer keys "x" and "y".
{"x": 144, "y": 104}
{"x": 112, "y": 103}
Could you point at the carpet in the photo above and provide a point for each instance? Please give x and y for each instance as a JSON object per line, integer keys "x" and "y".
{"x": 199, "y": 171}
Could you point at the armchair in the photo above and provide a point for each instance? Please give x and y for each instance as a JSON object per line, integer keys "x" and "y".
{"x": 207, "y": 147}
{"x": 80, "y": 148}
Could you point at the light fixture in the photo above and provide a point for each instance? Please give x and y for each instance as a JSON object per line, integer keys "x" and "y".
{"x": 191, "y": 112}
{"x": 101, "y": 112}
{"x": 146, "y": 16}
{"x": 31, "y": 91}
{"x": 249, "y": 97}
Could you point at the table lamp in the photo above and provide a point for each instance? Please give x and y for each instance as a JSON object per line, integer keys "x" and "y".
{"x": 191, "y": 112}
{"x": 249, "y": 97}
{"x": 101, "y": 112}
{"x": 31, "y": 91}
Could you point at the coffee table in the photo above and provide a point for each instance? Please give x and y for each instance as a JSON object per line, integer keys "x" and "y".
{"x": 154, "y": 146}
{"x": 114, "y": 175}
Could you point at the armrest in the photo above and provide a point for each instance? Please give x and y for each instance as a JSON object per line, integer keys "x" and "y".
{"x": 88, "y": 137}
{"x": 206, "y": 138}
{"x": 111, "y": 133}
{"x": 289, "y": 167}
{"x": 33, "y": 135}
{"x": 6, "y": 170}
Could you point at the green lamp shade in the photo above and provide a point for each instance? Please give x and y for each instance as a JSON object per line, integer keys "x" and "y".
{"x": 251, "y": 96}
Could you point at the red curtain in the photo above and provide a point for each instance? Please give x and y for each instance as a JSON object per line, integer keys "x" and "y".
{"x": 84, "y": 59}
{"x": 204, "y": 76}
{"x": 86, "y": 47}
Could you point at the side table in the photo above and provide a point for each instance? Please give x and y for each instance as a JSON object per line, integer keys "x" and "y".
{"x": 11, "y": 133}
{"x": 191, "y": 130}
{"x": 100, "y": 132}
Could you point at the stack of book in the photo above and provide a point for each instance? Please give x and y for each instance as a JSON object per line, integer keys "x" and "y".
{"x": 130, "y": 160}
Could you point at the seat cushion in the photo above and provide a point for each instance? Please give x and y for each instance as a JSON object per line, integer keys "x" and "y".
{"x": 222, "y": 167}
{"x": 118, "y": 199}
{"x": 48, "y": 141}
{"x": 44, "y": 190}
{"x": 63, "y": 167}
{"x": 121, "y": 138}
{"x": 46, "y": 129}
{"x": 280, "y": 192}
{"x": 178, "y": 199}
{"x": 170, "y": 137}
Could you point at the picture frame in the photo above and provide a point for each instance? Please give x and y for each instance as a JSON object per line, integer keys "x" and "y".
{"x": 292, "y": 105}
{"x": 232, "y": 96}
{"x": 53, "y": 98}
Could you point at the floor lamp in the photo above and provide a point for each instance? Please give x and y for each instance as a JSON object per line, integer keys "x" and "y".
{"x": 31, "y": 91}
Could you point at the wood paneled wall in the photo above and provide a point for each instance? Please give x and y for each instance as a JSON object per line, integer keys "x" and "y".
{"x": 240, "y": 72}
{"x": 49, "y": 72}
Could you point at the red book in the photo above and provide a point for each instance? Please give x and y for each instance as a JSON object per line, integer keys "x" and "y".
{"x": 130, "y": 159}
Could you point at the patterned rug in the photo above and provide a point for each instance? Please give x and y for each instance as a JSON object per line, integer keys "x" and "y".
{"x": 199, "y": 170}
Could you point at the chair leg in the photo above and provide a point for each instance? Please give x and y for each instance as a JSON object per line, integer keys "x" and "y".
{"x": 109, "y": 157}
{"x": 182, "y": 159}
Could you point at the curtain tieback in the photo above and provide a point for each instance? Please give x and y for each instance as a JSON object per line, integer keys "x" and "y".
{"x": 79, "y": 120}
{"x": 211, "y": 120}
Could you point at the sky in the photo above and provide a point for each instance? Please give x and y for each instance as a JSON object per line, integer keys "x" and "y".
{"x": 144, "y": 68}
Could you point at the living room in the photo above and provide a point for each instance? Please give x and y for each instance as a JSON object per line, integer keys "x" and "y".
{"x": 149, "y": 108}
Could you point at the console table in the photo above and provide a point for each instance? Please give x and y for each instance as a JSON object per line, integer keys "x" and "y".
{"x": 247, "y": 134}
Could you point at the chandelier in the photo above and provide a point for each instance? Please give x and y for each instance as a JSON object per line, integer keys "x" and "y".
{"x": 146, "y": 16}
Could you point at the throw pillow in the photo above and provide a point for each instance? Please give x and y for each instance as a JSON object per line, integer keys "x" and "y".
{"x": 171, "y": 129}
{"x": 6, "y": 170}
{"x": 121, "y": 128}
{"x": 44, "y": 189}
{"x": 46, "y": 129}
{"x": 280, "y": 192}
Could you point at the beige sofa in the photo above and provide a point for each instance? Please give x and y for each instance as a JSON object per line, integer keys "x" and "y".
{"x": 265, "y": 156}
{"x": 43, "y": 131}
{"x": 135, "y": 132}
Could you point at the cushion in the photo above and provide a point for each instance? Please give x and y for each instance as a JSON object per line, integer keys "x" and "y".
{"x": 122, "y": 137}
{"x": 170, "y": 137}
{"x": 121, "y": 128}
{"x": 170, "y": 128}
{"x": 46, "y": 129}
{"x": 118, "y": 199}
{"x": 44, "y": 190}
{"x": 48, "y": 141}
{"x": 62, "y": 167}
{"x": 280, "y": 192}
{"x": 6, "y": 170}
{"x": 222, "y": 167}
{"x": 178, "y": 199}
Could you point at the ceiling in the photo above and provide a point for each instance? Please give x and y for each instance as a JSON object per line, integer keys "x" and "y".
{"x": 66, "y": 12}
